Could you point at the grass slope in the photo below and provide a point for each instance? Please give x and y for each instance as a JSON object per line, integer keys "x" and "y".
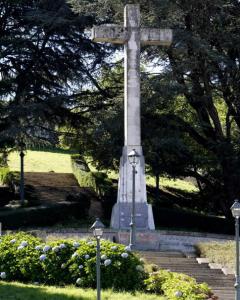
{"x": 60, "y": 162}
{"x": 18, "y": 291}
{"x": 42, "y": 161}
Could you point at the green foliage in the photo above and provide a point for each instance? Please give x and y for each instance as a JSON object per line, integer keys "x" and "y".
{"x": 176, "y": 286}
{"x": 7, "y": 177}
{"x": 27, "y": 259}
{"x": 84, "y": 177}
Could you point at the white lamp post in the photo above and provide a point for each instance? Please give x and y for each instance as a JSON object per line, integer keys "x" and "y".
{"x": 133, "y": 158}
{"x": 236, "y": 214}
{"x": 97, "y": 228}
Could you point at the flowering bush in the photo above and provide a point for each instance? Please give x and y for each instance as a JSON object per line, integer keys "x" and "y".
{"x": 176, "y": 286}
{"x": 28, "y": 259}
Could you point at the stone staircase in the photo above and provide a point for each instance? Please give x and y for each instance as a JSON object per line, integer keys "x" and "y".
{"x": 222, "y": 285}
{"x": 52, "y": 188}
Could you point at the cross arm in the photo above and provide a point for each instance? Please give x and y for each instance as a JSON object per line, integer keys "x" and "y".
{"x": 111, "y": 34}
{"x": 155, "y": 36}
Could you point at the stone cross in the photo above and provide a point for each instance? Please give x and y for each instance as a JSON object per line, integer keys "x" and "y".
{"x": 132, "y": 36}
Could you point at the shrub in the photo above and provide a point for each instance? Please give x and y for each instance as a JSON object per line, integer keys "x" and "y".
{"x": 26, "y": 258}
{"x": 176, "y": 286}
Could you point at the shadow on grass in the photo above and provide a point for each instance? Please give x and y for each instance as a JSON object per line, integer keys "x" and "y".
{"x": 10, "y": 291}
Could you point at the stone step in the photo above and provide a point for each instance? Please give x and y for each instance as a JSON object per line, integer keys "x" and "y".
{"x": 221, "y": 285}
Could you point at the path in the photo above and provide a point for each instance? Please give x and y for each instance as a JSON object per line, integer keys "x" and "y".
{"x": 54, "y": 187}
{"x": 221, "y": 285}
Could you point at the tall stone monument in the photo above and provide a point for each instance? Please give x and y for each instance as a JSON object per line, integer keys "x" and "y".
{"x": 132, "y": 36}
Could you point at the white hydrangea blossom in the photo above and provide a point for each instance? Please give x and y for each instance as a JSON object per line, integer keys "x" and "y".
{"x": 13, "y": 241}
{"x": 124, "y": 255}
{"x": 38, "y": 248}
{"x": 103, "y": 257}
{"x": 62, "y": 246}
{"x": 76, "y": 245}
{"x": 107, "y": 262}
{"x": 3, "y": 275}
{"x": 20, "y": 247}
{"x": 55, "y": 249}
{"x": 78, "y": 281}
{"x": 178, "y": 294}
{"x": 75, "y": 254}
{"x": 36, "y": 283}
{"x": 114, "y": 248}
{"x": 139, "y": 268}
{"x": 90, "y": 243}
{"x": 80, "y": 267}
{"x": 24, "y": 243}
{"x": 42, "y": 257}
{"x": 86, "y": 256}
{"x": 128, "y": 248}
{"x": 63, "y": 266}
{"x": 46, "y": 248}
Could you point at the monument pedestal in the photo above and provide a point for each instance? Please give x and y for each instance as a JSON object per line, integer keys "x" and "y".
{"x": 121, "y": 213}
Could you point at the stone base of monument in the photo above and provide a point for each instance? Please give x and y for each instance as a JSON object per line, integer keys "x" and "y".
{"x": 121, "y": 216}
{"x": 145, "y": 240}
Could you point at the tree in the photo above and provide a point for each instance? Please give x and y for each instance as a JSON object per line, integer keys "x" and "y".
{"x": 47, "y": 62}
{"x": 203, "y": 65}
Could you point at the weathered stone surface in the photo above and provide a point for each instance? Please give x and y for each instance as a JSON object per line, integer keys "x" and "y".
{"x": 156, "y": 36}
{"x": 112, "y": 34}
{"x": 131, "y": 35}
{"x": 202, "y": 260}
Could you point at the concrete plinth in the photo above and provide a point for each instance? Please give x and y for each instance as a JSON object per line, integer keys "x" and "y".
{"x": 121, "y": 213}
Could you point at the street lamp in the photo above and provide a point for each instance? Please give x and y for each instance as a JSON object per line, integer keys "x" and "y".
{"x": 133, "y": 158}
{"x": 22, "y": 147}
{"x": 236, "y": 214}
{"x": 97, "y": 228}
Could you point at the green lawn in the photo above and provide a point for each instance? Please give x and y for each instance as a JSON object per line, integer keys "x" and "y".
{"x": 60, "y": 162}
{"x": 41, "y": 161}
{"x": 18, "y": 291}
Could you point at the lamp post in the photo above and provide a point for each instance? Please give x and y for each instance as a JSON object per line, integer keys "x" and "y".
{"x": 22, "y": 147}
{"x": 236, "y": 214}
{"x": 97, "y": 228}
{"x": 133, "y": 158}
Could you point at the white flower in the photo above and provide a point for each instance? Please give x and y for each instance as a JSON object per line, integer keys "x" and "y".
{"x": 20, "y": 247}
{"x": 55, "y": 249}
{"x": 107, "y": 262}
{"x": 63, "y": 266}
{"x": 139, "y": 268}
{"x": 3, "y": 275}
{"x": 90, "y": 243}
{"x": 62, "y": 246}
{"x": 24, "y": 243}
{"x": 124, "y": 255}
{"x": 36, "y": 283}
{"x": 76, "y": 244}
{"x": 13, "y": 241}
{"x": 178, "y": 294}
{"x": 46, "y": 248}
{"x": 38, "y": 248}
{"x": 42, "y": 257}
{"x": 128, "y": 248}
{"x": 87, "y": 256}
{"x": 114, "y": 248}
{"x": 80, "y": 267}
{"x": 104, "y": 257}
{"x": 78, "y": 281}
{"x": 75, "y": 254}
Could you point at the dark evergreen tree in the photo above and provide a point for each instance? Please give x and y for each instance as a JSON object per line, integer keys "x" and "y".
{"x": 47, "y": 61}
